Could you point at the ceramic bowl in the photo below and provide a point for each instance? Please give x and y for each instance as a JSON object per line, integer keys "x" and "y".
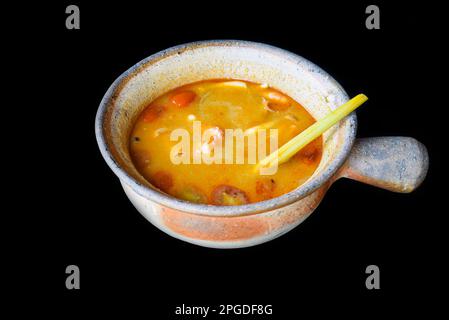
{"x": 395, "y": 163}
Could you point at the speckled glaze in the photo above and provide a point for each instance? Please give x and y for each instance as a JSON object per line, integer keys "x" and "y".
{"x": 394, "y": 163}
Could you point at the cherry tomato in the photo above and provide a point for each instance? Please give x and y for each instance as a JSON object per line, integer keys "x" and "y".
{"x": 183, "y": 99}
{"x": 225, "y": 195}
{"x": 141, "y": 158}
{"x": 265, "y": 187}
{"x": 162, "y": 180}
{"x": 192, "y": 194}
{"x": 309, "y": 154}
{"x": 152, "y": 112}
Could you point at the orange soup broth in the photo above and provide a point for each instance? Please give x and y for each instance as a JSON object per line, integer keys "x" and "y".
{"x": 224, "y": 104}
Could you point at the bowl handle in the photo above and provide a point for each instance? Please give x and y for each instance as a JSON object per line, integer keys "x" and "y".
{"x": 397, "y": 164}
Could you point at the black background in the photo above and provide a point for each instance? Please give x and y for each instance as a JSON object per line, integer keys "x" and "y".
{"x": 76, "y": 212}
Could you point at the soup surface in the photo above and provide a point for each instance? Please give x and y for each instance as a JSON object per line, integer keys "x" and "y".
{"x": 219, "y": 105}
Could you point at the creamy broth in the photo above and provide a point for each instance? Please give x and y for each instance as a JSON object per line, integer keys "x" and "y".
{"x": 219, "y": 105}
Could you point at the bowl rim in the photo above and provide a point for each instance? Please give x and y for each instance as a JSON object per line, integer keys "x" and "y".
{"x": 214, "y": 210}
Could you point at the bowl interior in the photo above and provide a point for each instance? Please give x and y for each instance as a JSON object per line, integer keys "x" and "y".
{"x": 292, "y": 74}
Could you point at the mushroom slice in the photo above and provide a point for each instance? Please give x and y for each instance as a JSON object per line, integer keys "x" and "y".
{"x": 277, "y": 101}
{"x": 235, "y": 84}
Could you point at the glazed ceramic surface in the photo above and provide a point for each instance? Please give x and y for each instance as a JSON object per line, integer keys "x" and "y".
{"x": 394, "y": 163}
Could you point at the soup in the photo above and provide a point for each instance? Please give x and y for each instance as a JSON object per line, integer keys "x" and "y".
{"x": 220, "y": 105}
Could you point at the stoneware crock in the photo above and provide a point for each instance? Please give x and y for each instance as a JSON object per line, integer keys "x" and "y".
{"x": 394, "y": 163}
